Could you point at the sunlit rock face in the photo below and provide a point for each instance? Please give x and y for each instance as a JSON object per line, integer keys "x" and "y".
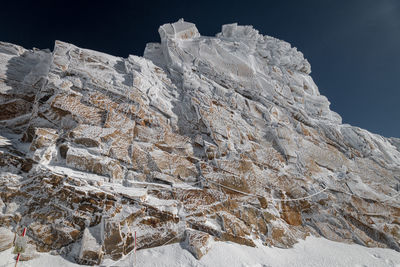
{"x": 223, "y": 138}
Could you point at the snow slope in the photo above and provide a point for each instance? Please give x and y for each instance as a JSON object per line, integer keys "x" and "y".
{"x": 310, "y": 252}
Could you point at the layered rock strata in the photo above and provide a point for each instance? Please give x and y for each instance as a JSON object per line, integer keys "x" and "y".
{"x": 223, "y": 138}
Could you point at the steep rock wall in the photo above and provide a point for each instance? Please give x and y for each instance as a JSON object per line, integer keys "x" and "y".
{"x": 224, "y": 136}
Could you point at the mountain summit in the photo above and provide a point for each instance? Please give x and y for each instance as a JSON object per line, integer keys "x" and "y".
{"x": 221, "y": 138}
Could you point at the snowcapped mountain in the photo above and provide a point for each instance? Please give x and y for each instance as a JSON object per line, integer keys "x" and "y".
{"x": 202, "y": 139}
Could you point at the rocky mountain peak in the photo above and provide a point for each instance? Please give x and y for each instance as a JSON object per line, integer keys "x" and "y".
{"x": 223, "y": 138}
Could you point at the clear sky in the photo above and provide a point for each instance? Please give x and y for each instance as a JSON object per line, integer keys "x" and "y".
{"x": 353, "y": 45}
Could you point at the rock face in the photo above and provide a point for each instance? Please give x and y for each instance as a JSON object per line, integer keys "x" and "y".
{"x": 226, "y": 137}
{"x": 6, "y": 238}
{"x": 197, "y": 242}
{"x": 90, "y": 252}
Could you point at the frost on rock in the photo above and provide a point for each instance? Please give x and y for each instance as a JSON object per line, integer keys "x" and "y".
{"x": 197, "y": 242}
{"x": 90, "y": 252}
{"x": 6, "y": 238}
{"x": 224, "y": 138}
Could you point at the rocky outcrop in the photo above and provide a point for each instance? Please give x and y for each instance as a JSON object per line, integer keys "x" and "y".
{"x": 222, "y": 138}
{"x": 22, "y": 74}
{"x": 90, "y": 252}
{"x": 6, "y": 239}
{"x": 198, "y": 243}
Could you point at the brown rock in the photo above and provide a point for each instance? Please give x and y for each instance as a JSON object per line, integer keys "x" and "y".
{"x": 6, "y": 238}
{"x": 235, "y": 182}
{"x": 83, "y": 160}
{"x": 201, "y": 226}
{"x": 291, "y": 214}
{"x": 165, "y": 178}
{"x": 263, "y": 202}
{"x": 173, "y": 164}
{"x": 237, "y": 239}
{"x": 88, "y": 142}
{"x": 292, "y": 217}
{"x": 70, "y": 103}
{"x": 14, "y": 108}
{"x": 196, "y": 242}
{"x": 43, "y": 137}
{"x": 90, "y": 252}
{"x": 112, "y": 241}
{"x": 156, "y": 239}
{"x": 232, "y": 225}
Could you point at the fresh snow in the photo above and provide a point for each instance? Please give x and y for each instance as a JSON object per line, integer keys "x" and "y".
{"x": 310, "y": 252}
{"x": 313, "y": 251}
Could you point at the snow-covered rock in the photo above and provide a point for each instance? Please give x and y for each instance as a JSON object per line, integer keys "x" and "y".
{"x": 226, "y": 135}
{"x": 197, "y": 242}
{"x": 6, "y": 238}
{"x": 90, "y": 252}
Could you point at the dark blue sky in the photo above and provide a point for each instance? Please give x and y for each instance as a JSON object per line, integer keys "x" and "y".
{"x": 353, "y": 46}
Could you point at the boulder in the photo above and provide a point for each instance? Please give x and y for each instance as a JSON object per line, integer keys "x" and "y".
{"x": 113, "y": 242}
{"x": 43, "y": 144}
{"x": 196, "y": 242}
{"x": 6, "y": 238}
{"x": 90, "y": 252}
{"x": 83, "y": 160}
{"x": 44, "y": 137}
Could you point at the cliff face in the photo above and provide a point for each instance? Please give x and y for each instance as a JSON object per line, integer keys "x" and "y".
{"x": 203, "y": 138}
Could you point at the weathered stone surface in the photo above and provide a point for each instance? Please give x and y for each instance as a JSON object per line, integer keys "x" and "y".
{"x": 263, "y": 202}
{"x": 291, "y": 214}
{"x": 226, "y": 135}
{"x": 198, "y": 243}
{"x": 43, "y": 144}
{"x": 6, "y": 238}
{"x": 14, "y": 108}
{"x": 43, "y": 138}
{"x": 232, "y": 225}
{"x": 22, "y": 73}
{"x": 84, "y": 160}
{"x": 90, "y": 252}
{"x": 112, "y": 240}
{"x": 237, "y": 239}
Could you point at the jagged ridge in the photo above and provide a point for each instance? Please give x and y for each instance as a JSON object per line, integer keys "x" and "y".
{"x": 222, "y": 137}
